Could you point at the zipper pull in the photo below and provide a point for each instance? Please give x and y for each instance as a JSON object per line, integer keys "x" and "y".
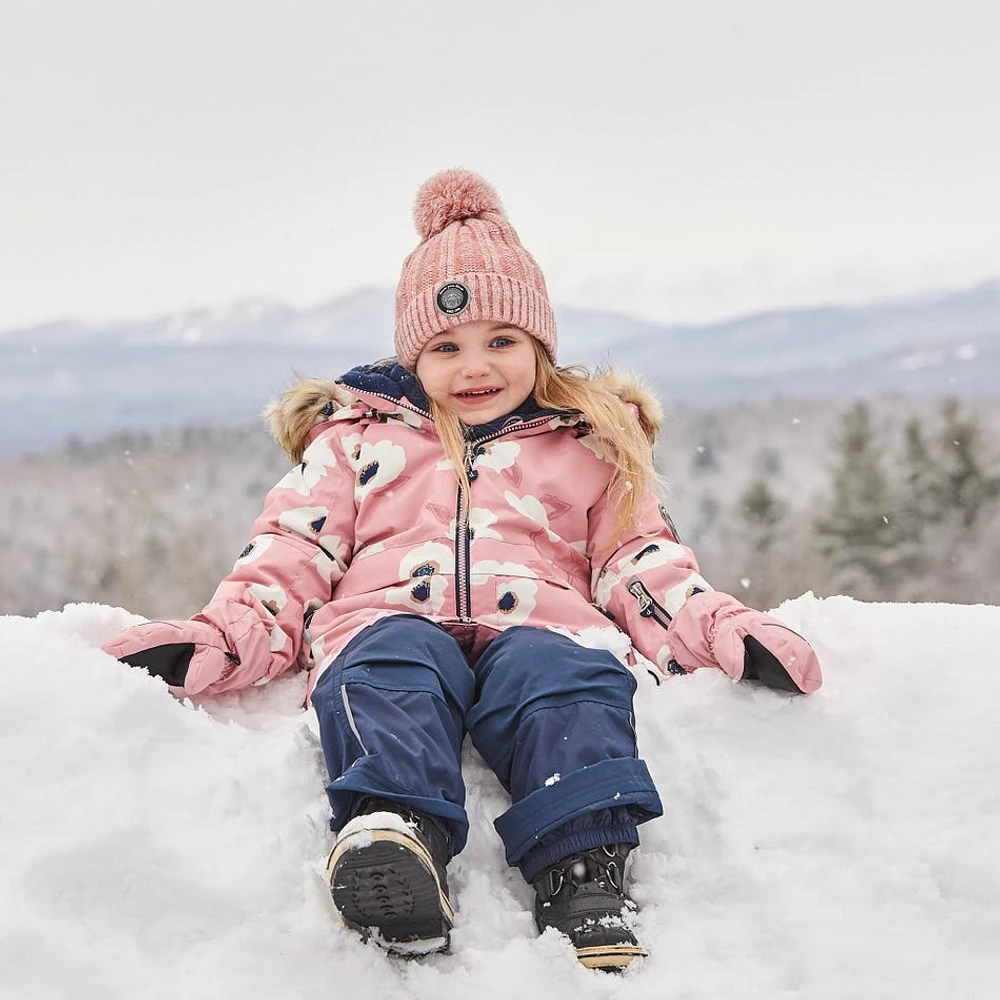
{"x": 470, "y": 453}
{"x": 643, "y": 596}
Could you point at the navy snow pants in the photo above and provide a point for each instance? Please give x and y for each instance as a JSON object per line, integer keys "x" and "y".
{"x": 551, "y": 718}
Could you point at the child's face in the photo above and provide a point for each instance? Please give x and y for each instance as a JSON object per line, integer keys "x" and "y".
{"x": 479, "y": 370}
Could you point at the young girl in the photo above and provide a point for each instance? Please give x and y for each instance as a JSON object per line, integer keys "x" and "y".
{"x": 471, "y": 543}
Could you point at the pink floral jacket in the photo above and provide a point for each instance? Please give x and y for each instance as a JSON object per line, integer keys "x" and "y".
{"x": 371, "y": 523}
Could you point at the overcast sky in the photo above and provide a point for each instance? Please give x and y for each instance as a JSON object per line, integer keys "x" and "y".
{"x": 674, "y": 160}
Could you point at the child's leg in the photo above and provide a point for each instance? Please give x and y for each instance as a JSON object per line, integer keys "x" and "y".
{"x": 553, "y": 719}
{"x": 391, "y": 711}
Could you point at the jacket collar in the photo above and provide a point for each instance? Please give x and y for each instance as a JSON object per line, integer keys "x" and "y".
{"x": 390, "y": 381}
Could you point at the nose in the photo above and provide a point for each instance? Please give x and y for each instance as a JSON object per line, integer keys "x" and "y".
{"x": 474, "y": 363}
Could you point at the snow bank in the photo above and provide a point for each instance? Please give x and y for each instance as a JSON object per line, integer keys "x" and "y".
{"x": 842, "y": 845}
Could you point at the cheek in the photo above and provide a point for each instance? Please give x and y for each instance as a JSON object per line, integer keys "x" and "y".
{"x": 428, "y": 373}
{"x": 529, "y": 370}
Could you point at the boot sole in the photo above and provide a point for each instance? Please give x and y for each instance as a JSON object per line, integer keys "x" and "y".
{"x": 386, "y": 887}
{"x": 611, "y": 957}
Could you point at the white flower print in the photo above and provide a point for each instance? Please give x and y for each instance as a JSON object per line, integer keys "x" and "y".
{"x": 319, "y": 453}
{"x": 256, "y": 547}
{"x": 663, "y": 657}
{"x": 327, "y": 569}
{"x": 515, "y": 600}
{"x": 307, "y": 522}
{"x": 362, "y": 551}
{"x": 533, "y": 509}
{"x": 271, "y": 596}
{"x": 336, "y": 549}
{"x": 481, "y": 521}
{"x": 427, "y": 559}
{"x": 515, "y": 591}
{"x": 604, "y": 587}
{"x": 498, "y": 455}
{"x": 316, "y": 459}
{"x": 377, "y": 465}
{"x": 303, "y": 479}
{"x": 427, "y": 569}
{"x": 590, "y": 442}
{"x": 279, "y": 639}
{"x": 425, "y": 595}
{"x": 651, "y": 553}
{"x": 351, "y": 443}
{"x": 673, "y": 599}
{"x": 408, "y": 417}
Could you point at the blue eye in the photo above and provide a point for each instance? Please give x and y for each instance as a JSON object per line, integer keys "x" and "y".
{"x": 502, "y": 342}
{"x": 446, "y": 348}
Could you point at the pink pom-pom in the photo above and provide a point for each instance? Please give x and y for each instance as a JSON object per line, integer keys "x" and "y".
{"x": 449, "y": 196}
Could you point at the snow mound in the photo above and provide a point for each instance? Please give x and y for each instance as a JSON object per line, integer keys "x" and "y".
{"x": 834, "y": 846}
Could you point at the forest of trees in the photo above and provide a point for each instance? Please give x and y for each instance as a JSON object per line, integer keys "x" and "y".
{"x": 882, "y": 500}
{"x": 888, "y": 502}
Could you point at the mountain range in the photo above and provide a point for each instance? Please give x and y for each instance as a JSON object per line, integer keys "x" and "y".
{"x": 219, "y": 366}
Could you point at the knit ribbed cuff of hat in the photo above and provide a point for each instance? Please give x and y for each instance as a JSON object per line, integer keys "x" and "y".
{"x": 492, "y": 297}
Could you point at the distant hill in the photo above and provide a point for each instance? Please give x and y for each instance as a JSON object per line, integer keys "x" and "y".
{"x": 220, "y": 366}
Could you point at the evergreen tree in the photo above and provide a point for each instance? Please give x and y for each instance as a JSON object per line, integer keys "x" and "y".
{"x": 856, "y": 533}
{"x": 761, "y": 510}
{"x": 969, "y": 481}
{"x": 763, "y": 530}
{"x": 922, "y": 541}
{"x": 921, "y": 478}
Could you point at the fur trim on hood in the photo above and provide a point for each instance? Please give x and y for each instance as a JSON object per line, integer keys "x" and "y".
{"x": 634, "y": 391}
{"x": 308, "y": 402}
{"x": 300, "y": 407}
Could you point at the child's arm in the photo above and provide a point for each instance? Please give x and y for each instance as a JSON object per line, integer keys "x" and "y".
{"x": 650, "y": 584}
{"x": 253, "y": 628}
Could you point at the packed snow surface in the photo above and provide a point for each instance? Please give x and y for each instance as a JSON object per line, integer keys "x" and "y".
{"x": 834, "y": 846}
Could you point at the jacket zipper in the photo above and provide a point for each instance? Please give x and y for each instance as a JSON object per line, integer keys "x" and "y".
{"x": 648, "y": 606}
{"x": 463, "y": 533}
{"x": 463, "y": 544}
{"x": 651, "y": 608}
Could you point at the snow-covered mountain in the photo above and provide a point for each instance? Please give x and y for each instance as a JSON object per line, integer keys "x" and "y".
{"x": 830, "y": 847}
{"x": 219, "y": 366}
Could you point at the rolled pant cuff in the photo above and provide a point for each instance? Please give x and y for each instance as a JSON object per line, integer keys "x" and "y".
{"x": 538, "y": 859}
{"x": 609, "y": 784}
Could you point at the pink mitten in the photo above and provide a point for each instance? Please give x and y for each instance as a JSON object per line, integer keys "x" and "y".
{"x": 714, "y": 629}
{"x": 193, "y": 654}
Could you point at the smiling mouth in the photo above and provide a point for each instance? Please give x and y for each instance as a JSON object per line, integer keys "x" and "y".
{"x": 477, "y": 394}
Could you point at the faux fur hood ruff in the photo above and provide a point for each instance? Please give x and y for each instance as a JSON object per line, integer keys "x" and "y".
{"x": 295, "y": 413}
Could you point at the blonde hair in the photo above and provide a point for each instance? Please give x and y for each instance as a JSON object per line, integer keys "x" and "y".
{"x": 619, "y": 432}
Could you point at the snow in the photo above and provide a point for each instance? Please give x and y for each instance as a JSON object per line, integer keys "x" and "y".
{"x": 836, "y": 846}
{"x": 375, "y": 821}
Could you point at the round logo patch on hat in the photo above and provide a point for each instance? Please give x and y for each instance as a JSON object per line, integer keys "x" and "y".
{"x": 453, "y": 298}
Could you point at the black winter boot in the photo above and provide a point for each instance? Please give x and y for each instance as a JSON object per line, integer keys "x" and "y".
{"x": 583, "y": 896}
{"x": 387, "y": 877}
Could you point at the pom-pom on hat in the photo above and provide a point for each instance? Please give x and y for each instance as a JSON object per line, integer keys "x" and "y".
{"x": 469, "y": 265}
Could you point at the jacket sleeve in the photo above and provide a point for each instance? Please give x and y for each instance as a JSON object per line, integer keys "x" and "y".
{"x": 256, "y": 624}
{"x": 651, "y": 586}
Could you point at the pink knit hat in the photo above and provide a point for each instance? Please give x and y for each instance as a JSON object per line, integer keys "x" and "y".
{"x": 469, "y": 265}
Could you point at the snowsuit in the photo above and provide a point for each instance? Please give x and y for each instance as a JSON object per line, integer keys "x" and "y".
{"x": 371, "y": 569}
